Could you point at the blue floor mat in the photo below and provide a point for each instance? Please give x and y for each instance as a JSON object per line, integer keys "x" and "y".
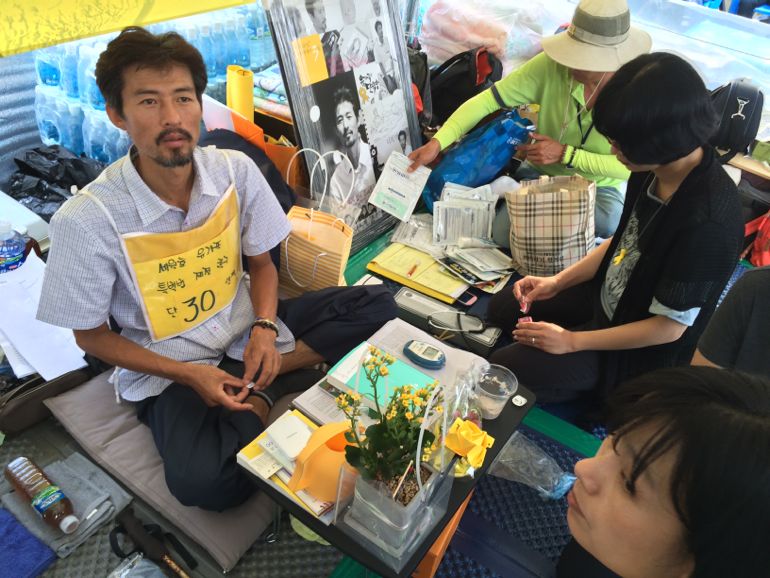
{"x": 518, "y": 511}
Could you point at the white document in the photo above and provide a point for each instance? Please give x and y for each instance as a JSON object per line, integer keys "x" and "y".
{"x": 290, "y": 434}
{"x": 397, "y": 191}
{"x": 486, "y": 260}
{"x": 51, "y": 350}
{"x": 483, "y": 193}
{"x": 19, "y": 365}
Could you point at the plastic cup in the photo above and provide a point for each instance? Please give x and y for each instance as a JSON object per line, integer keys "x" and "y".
{"x": 496, "y": 387}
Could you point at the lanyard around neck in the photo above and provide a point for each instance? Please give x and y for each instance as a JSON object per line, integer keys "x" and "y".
{"x": 583, "y": 136}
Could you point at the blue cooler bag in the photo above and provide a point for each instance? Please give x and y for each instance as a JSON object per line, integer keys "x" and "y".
{"x": 480, "y": 157}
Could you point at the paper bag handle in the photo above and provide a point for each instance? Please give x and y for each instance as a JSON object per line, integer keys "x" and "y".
{"x": 288, "y": 267}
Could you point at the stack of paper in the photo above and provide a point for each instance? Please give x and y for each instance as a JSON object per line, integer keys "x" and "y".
{"x": 486, "y": 268}
{"x": 418, "y": 270}
{"x": 271, "y": 456}
{"x": 31, "y": 345}
{"x": 463, "y": 212}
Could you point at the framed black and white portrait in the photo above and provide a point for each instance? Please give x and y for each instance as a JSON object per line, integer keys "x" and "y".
{"x": 347, "y": 78}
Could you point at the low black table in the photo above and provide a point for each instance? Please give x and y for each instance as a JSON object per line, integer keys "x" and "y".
{"x": 346, "y": 541}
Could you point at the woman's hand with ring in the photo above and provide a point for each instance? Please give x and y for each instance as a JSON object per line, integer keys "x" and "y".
{"x": 549, "y": 337}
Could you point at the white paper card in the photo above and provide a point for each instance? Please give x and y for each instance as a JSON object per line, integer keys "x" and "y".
{"x": 397, "y": 191}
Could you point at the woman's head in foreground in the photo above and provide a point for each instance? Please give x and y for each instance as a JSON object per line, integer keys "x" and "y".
{"x": 655, "y": 110}
{"x": 682, "y": 486}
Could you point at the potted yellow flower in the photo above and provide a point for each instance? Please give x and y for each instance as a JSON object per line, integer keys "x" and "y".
{"x": 389, "y": 499}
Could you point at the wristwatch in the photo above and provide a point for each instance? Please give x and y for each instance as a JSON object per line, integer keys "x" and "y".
{"x": 569, "y": 156}
{"x": 264, "y": 324}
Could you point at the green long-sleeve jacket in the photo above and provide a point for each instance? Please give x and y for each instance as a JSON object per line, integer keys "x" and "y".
{"x": 543, "y": 81}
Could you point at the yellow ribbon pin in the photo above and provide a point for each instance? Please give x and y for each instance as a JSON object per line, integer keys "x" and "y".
{"x": 466, "y": 439}
{"x": 619, "y": 258}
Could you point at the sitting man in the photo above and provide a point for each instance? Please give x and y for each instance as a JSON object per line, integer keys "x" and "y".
{"x": 156, "y": 242}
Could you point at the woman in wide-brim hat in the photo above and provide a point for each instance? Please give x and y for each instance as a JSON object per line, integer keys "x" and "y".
{"x": 565, "y": 81}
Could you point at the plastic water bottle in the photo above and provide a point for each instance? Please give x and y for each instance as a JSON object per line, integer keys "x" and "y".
{"x": 69, "y": 70}
{"x": 12, "y": 247}
{"x": 93, "y": 94}
{"x": 47, "y": 115}
{"x": 84, "y": 57}
{"x": 46, "y": 498}
{"x": 268, "y": 49}
{"x": 207, "y": 51}
{"x": 242, "y": 35}
{"x": 74, "y": 128}
{"x": 219, "y": 42}
{"x": 234, "y": 43}
{"x": 98, "y": 132}
{"x": 256, "y": 44}
{"x": 48, "y": 66}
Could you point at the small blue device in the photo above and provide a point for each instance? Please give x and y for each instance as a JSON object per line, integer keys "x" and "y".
{"x": 424, "y": 354}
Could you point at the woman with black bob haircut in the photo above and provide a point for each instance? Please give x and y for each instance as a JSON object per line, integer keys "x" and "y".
{"x": 681, "y": 488}
{"x": 139, "y": 48}
{"x": 677, "y": 116}
{"x": 641, "y": 299}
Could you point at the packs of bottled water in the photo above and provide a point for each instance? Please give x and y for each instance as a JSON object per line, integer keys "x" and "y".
{"x": 70, "y": 108}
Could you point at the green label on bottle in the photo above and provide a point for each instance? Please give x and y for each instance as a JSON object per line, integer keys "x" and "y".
{"x": 47, "y": 498}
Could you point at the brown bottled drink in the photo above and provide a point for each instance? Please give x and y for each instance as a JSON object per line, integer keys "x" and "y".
{"x": 45, "y": 497}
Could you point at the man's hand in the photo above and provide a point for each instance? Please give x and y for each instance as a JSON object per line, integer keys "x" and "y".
{"x": 549, "y": 337}
{"x": 544, "y": 151}
{"x": 217, "y": 387}
{"x": 261, "y": 355}
{"x": 424, "y": 155}
{"x": 531, "y": 289}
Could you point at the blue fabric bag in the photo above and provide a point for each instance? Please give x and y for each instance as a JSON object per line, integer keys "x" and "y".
{"x": 479, "y": 157}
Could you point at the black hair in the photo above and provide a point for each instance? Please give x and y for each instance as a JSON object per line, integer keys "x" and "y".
{"x": 137, "y": 47}
{"x": 401, "y": 132}
{"x": 344, "y": 94}
{"x": 656, "y": 109}
{"x": 717, "y": 424}
{"x": 376, "y": 24}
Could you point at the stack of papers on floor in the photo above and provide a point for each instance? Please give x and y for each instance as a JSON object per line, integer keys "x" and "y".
{"x": 31, "y": 345}
{"x": 271, "y": 456}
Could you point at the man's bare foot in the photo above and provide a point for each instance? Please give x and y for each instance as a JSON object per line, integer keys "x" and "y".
{"x": 259, "y": 406}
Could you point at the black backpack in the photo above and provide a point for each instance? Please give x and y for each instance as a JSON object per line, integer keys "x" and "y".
{"x": 739, "y": 106}
{"x": 461, "y": 77}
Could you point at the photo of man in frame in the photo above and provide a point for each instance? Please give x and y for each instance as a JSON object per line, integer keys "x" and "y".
{"x": 330, "y": 39}
{"x": 356, "y": 46}
{"x": 343, "y": 130}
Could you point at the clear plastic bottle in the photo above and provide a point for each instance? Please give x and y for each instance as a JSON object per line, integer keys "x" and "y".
{"x": 12, "y": 247}
{"x": 69, "y": 70}
{"x": 221, "y": 50}
{"x": 47, "y": 115}
{"x": 207, "y": 51}
{"x": 47, "y": 499}
{"x": 256, "y": 42}
{"x": 48, "y": 66}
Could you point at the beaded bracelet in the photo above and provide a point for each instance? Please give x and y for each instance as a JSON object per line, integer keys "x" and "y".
{"x": 264, "y": 324}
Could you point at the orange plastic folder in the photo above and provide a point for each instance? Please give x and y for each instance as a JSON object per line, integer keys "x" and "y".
{"x": 417, "y": 270}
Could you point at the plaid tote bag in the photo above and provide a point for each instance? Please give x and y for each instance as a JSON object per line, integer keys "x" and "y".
{"x": 552, "y": 223}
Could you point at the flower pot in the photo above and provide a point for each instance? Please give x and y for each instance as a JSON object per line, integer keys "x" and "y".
{"x": 389, "y": 524}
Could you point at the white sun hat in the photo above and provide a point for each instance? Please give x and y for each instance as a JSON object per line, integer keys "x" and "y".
{"x": 599, "y": 39}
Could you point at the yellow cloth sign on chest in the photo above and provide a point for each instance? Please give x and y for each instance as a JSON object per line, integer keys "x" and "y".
{"x": 185, "y": 278}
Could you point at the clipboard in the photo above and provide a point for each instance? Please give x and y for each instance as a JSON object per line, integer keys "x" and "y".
{"x": 417, "y": 270}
